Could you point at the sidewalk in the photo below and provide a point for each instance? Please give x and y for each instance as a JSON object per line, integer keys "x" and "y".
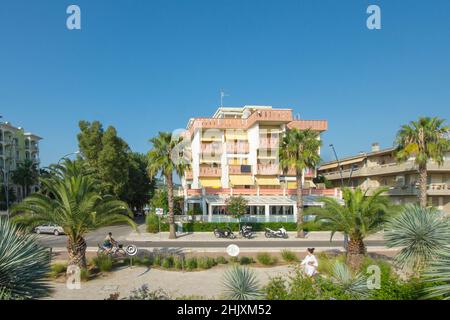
{"x": 259, "y": 236}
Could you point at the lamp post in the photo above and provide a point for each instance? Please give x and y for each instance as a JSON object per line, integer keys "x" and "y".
{"x": 67, "y": 155}
{"x": 342, "y": 186}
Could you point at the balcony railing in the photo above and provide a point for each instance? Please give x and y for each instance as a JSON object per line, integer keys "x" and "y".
{"x": 210, "y": 172}
{"x": 189, "y": 175}
{"x": 211, "y": 148}
{"x": 264, "y": 192}
{"x": 268, "y": 169}
{"x": 269, "y": 143}
{"x": 240, "y": 169}
{"x": 239, "y": 147}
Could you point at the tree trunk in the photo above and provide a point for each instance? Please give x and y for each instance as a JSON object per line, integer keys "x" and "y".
{"x": 77, "y": 252}
{"x": 423, "y": 185}
{"x": 172, "y": 232}
{"x": 356, "y": 252}
{"x": 300, "y": 232}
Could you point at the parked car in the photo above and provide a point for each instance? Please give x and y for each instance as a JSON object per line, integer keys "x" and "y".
{"x": 49, "y": 228}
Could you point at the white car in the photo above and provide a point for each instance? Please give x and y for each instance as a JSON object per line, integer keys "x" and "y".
{"x": 49, "y": 228}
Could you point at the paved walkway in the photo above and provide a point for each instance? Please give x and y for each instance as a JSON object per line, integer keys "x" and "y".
{"x": 200, "y": 283}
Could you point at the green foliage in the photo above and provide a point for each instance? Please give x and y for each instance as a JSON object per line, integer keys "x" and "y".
{"x": 221, "y": 260}
{"x": 421, "y": 234}
{"x": 153, "y": 223}
{"x": 144, "y": 293}
{"x": 157, "y": 260}
{"x": 210, "y": 226}
{"x": 266, "y": 259}
{"x": 353, "y": 285}
{"x": 289, "y": 256}
{"x": 167, "y": 262}
{"x": 425, "y": 139}
{"x": 236, "y": 206}
{"x": 206, "y": 263}
{"x": 85, "y": 274}
{"x": 71, "y": 200}
{"x": 103, "y": 262}
{"x": 24, "y": 264}
{"x": 362, "y": 215}
{"x": 437, "y": 278}
{"x": 240, "y": 283}
{"x": 245, "y": 260}
{"x": 57, "y": 269}
{"x": 191, "y": 263}
{"x": 25, "y": 175}
{"x": 179, "y": 262}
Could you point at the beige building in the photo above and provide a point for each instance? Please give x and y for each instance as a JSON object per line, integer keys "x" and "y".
{"x": 235, "y": 152}
{"x": 379, "y": 168}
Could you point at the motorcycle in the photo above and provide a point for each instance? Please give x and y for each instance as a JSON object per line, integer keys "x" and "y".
{"x": 225, "y": 233}
{"x": 246, "y": 232}
{"x": 280, "y": 233}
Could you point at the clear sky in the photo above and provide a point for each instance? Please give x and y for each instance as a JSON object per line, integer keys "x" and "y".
{"x": 147, "y": 66}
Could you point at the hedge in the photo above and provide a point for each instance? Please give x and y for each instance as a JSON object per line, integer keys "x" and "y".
{"x": 256, "y": 226}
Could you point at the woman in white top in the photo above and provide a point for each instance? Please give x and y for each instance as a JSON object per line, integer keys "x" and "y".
{"x": 310, "y": 263}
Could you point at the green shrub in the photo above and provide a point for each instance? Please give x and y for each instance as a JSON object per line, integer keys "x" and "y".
{"x": 178, "y": 262}
{"x": 157, "y": 260}
{"x": 57, "y": 269}
{"x": 289, "y": 256}
{"x": 167, "y": 262}
{"x": 103, "y": 262}
{"x": 205, "y": 263}
{"x": 85, "y": 274}
{"x": 234, "y": 260}
{"x": 191, "y": 263}
{"x": 266, "y": 259}
{"x": 152, "y": 222}
{"x": 245, "y": 260}
{"x": 199, "y": 226}
{"x": 221, "y": 260}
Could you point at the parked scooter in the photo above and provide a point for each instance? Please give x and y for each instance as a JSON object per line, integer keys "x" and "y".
{"x": 280, "y": 233}
{"x": 224, "y": 233}
{"x": 247, "y": 232}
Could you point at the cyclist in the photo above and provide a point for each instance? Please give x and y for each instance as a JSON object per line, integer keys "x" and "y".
{"x": 109, "y": 243}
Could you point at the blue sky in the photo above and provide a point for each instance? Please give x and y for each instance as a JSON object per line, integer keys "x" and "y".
{"x": 146, "y": 66}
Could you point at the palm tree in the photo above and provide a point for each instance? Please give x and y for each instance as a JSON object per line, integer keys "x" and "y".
{"x": 166, "y": 157}
{"x": 299, "y": 150}
{"x": 24, "y": 264}
{"x": 425, "y": 139}
{"x": 74, "y": 203}
{"x": 25, "y": 175}
{"x": 422, "y": 234}
{"x": 241, "y": 284}
{"x": 360, "y": 216}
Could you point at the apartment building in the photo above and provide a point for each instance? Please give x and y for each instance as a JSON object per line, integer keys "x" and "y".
{"x": 235, "y": 152}
{"x": 16, "y": 146}
{"x": 379, "y": 168}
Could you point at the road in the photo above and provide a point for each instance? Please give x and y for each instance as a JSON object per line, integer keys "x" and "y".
{"x": 121, "y": 232}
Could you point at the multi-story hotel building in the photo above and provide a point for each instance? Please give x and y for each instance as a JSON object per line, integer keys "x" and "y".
{"x": 16, "y": 146}
{"x": 236, "y": 153}
{"x": 379, "y": 168}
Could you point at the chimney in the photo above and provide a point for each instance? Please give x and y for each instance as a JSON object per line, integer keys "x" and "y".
{"x": 375, "y": 147}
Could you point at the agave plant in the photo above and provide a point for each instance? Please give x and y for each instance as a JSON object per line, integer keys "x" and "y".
{"x": 23, "y": 264}
{"x": 421, "y": 233}
{"x": 439, "y": 271}
{"x": 354, "y": 285}
{"x": 241, "y": 284}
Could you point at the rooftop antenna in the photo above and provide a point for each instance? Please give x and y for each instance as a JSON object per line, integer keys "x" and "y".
{"x": 222, "y": 95}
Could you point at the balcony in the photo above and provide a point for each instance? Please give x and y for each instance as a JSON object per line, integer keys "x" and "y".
{"x": 438, "y": 189}
{"x": 268, "y": 169}
{"x": 210, "y": 172}
{"x": 265, "y": 143}
{"x": 237, "y": 148}
{"x": 240, "y": 169}
{"x": 264, "y": 192}
{"x": 188, "y": 175}
{"x": 211, "y": 148}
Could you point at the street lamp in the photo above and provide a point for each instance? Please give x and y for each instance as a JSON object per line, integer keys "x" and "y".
{"x": 67, "y": 155}
{"x": 342, "y": 186}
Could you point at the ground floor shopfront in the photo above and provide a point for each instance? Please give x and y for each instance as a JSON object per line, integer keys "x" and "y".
{"x": 212, "y": 208}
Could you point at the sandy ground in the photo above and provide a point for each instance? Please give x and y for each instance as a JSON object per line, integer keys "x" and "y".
{"x": 200, "y": 283}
